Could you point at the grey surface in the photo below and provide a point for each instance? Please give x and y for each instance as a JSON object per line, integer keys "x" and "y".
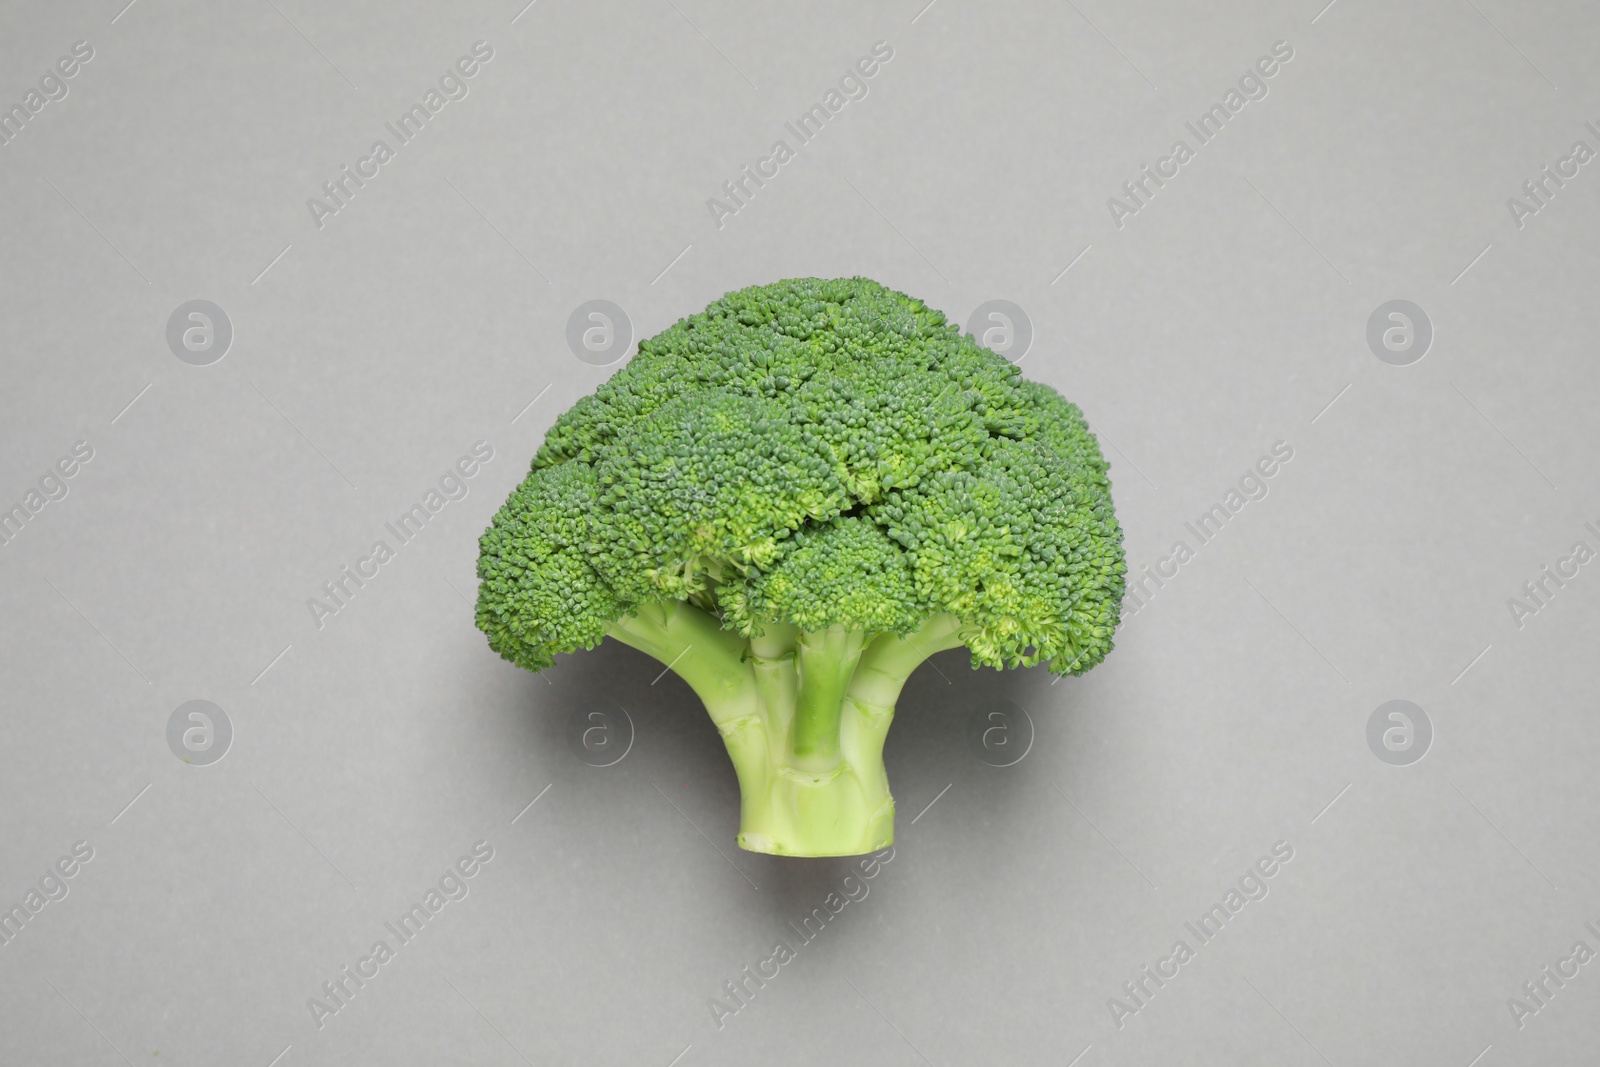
{"x": 369, "y": 754}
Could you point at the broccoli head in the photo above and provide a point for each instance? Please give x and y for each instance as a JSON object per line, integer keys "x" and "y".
{"x": 794, "y": 498}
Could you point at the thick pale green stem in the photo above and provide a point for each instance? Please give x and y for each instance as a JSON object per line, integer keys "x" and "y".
{"x": 693, "y": 643}
{"x": 827, "y": 659}
{"x": 773, "y": 657}
{"x": 804, "y": 717}
{"x": 889, "y": 660}
{"x": 714, "y": 663}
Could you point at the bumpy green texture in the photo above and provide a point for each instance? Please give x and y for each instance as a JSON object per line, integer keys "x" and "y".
{"x": 794, "y": 498}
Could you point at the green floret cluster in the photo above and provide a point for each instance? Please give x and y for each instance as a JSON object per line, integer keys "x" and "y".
{"x": 811, "y": 486}
{"x": 844, "y": 573}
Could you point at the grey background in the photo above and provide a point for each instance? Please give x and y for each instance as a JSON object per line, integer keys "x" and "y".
{"x": 369, "y": 354}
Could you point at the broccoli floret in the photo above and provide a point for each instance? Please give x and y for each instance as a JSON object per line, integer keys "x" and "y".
{"x": 793, "y": 499}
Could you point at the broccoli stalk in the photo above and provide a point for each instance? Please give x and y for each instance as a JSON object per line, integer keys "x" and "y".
{"x": 804, "y": 715}
{"x": 792, "y": 500}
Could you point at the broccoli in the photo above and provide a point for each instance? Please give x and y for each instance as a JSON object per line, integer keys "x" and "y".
{"x": 793, "y": 499}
